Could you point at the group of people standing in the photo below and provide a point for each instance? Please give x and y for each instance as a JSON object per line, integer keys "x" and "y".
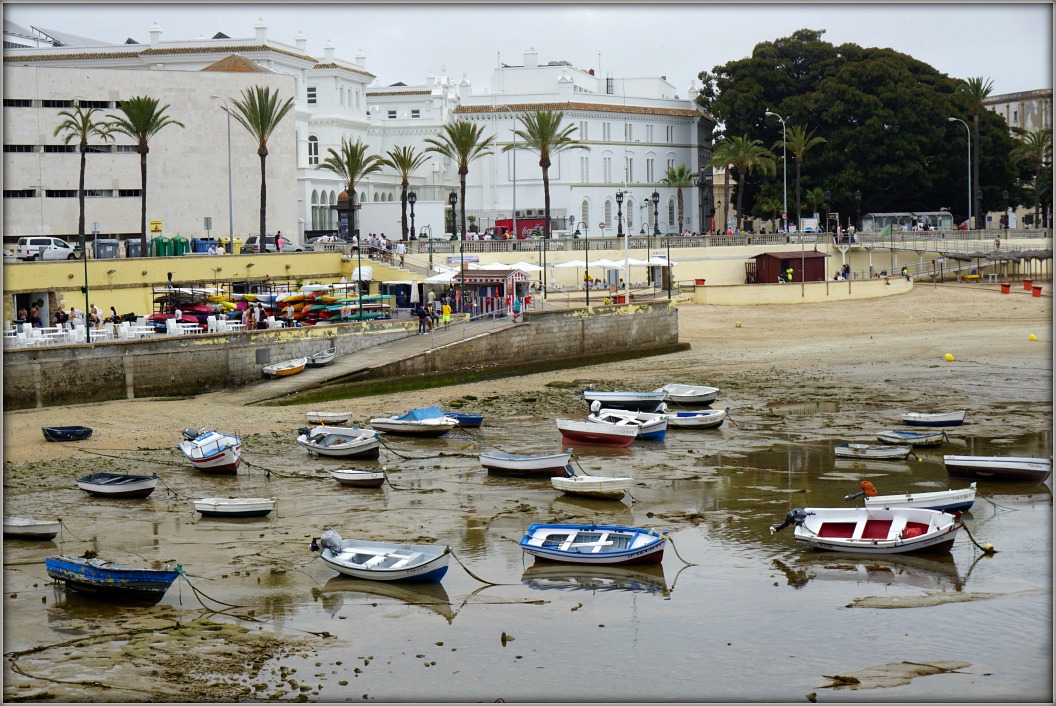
{"x": 428, "y": 316}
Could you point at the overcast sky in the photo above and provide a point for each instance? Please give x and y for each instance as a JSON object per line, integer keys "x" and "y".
{"x": 1011, "y": 44}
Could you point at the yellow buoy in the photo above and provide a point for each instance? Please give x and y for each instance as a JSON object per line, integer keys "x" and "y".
{"x": 738, "y": 325}
{"x": 949, "y": 357}
{"x": 1033, "y": 337}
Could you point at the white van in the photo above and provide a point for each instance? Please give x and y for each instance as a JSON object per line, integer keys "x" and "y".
{"x": 44, "y": 249}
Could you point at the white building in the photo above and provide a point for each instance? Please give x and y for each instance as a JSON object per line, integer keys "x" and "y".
{"x": 1028, "y": 110}
{"x": 635, "y": 129}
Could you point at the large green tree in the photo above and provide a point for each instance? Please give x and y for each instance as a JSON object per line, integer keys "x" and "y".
{"x": 141, "y": 119}
{"x": 747, "y": 155}
{"x": 404, "y": 160}
{"x": 885, "y": 116}
{"x": 798, "y": 141}
{"x": 462, "y": 142}
{"x": 351, "y": 162}
{"x": 976, "y": 89}
{"x": 680, "y": 177}
{"x": 544, "y": 135}
{"x": 80, "y": 125}
{"x": 260, "y": 111}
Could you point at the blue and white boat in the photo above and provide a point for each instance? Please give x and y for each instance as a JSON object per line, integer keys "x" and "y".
{"x": 109, "y": 580}
{"x": 912, "y": 438}
{"x": 467, "y": 420}
{"x": 637, "y": 401}
{"x": 939, "y": 419}
{"x": 427, "y": 421}
{"x": 651, "y": 426}
{"x": 944, "y": 500}
{"x": 382, "y": 561}
{"x": 594, "y": 544}
{"x": 74, "y": 433}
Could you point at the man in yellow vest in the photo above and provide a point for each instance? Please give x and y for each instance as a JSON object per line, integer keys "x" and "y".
{"x": 788, "y": 274}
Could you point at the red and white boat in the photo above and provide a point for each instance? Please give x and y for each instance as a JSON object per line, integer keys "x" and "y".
{"x": 212, "y": 451}
{"x": 358, "y": 478}
{"x": 1014, "y": 468}
{"x": 869, "y": 531}
{"x": 592, "y": 434}
{"x": 500, "y": 463}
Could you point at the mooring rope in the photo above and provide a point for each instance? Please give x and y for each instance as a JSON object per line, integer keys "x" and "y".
{"x": 490, "y": 583}
{"x": 672, "y": 541}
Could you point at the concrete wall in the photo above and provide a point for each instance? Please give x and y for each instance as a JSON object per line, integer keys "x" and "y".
{"x": 190, "y": 365}
{"x": 796, "y": 293}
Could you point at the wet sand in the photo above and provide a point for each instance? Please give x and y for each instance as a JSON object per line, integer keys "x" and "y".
{"x": 875, "y": 358}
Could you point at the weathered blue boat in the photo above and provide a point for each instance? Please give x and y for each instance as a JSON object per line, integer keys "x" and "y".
{"x": 106, "y": 579}
{"x": 467, "y": 420}
{"x": 66, "y": 433}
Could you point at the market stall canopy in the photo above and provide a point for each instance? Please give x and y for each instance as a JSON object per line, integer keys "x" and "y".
{"x": 572, "y": 263}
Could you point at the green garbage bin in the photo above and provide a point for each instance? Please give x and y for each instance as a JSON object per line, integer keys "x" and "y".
{"x": 180, "y": 245}
{"x": 162, "y": 246}
{"x": 221, "y": 244}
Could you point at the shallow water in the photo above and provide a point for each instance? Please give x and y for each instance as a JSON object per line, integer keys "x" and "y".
{"x": 733, "y": 614}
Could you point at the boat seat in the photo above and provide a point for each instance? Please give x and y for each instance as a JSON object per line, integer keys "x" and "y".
{"x": 405, "y": 560}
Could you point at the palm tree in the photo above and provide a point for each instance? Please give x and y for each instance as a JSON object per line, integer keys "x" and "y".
{"x": 352, "y": 163}
{"x": 680, "y": 177}
{"x": 721, "y": 158}
{"x": 798, "y": 140}
{"x": 461, "y": 142}
{"x": 260, "y": 112}
{"x": 771, "y": 206}
{"x": 1035, "y": 148}
{"x": 747, "y": 155}
{"x": 404, "y": 160}
{"x": 142, "y": 119}
{"x": 976, "y": 89}
{"x": 544, "y": 135}
{"x": 82, "y": 125}
{"x": 815, "y": 199}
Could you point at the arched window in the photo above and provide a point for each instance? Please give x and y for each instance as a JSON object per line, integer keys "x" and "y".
{"x": 362, "y": 196}
{"x": 390, "y": 197}
{"x": 316, "y": 215}
{"x": 584, "y": 213}
{"x": 671, "y": 222}
{"x": 608, "y": 214}
{"x": 628, "y": 215}
{"x": 376, "y": 196}
{"x": 313, "y": 150}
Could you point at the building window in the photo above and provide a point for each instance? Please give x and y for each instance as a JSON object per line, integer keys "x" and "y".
{"x": 18, "y": 103}
{"x": 628, "y": 132}
{"x": 61, "y": 193}
{"x": 606, "y": 170}
{"x": 649, "y": 176}
{"x": 584, "y": 170}
{"x": 98, "y": 193}
{"x": 648, "y": 133}
{"x": 628, "y": 170}
{"x": 20, "y": 193}
{"x": 313, "y": 150}
{"x": 628, "y": 212}
{"x": 129, "y": 193}
{"x": 416, "y": 113}
{"x": 49, "y": 149}
{"x": 608, "y": 213}
{"x": 583, "y": 130}
{"x": 126, "y": 149}
{"x": 392, "y": 115}
{"x": 104, "y": 105}
{"x": 19, "y": 148}
{"x": 670, "y": 214}
{"x": 670, "y": 134}
{"x": 311, "y": 95}
{"x": 584, "y": 215}
{"x": 56, "y": 104}
{"x": 670, "y": 164}
{"x": 606, "y": 132}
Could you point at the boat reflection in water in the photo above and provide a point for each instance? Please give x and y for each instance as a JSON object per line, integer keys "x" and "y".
{"x": 645, "y": 578}
{"x": 430, "y": 595}
{"x": 938, "y": 573}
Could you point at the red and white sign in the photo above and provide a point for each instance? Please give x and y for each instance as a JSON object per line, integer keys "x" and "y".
{"x": 602, "y": 225}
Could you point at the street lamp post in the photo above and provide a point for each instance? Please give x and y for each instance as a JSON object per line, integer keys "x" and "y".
{"x": 784, "y": 171}
{"x": 411, "y": 199}
{"x": 668, "y": 239}
{"x": 969, "y": 131}
{"x": 84, "y": 256}
{"x": 359, "y": 275}
{"x": 453, "y": 200}
{"x": 586, "y": 260}
{"x": 619, "y": 214}
{"x": 230, "y": 200}
{"x": 656, "y": 213}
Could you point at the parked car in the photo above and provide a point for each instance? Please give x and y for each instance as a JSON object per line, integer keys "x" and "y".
{"x": 44, "y": 249}
{"x": 252, "y": 244}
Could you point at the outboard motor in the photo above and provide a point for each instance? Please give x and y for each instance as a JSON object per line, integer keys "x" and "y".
{"x": 330, "y": 539}
{"x": 190, "y": 434}
{"x": 795, "y": 516}
{"x": 303, "y": 431}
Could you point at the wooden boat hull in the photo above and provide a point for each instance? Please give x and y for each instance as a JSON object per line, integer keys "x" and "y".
{"x": 66, "y": 433}
{"x": 942, "y": 419}
{"x": 600, "y": 487}
{"x": 869, "y": 531}
{"x": 117, "y": 485}
{"x": 384, "y": 561}
{"x": 26, "y": 528}
{"x": 525, "y": 465}
{"x": 328, "y": 417}
{"x": 998, "y": 468}
{"x": 359, "y": 479}
{"x": 636, "y": 401}
{"x": 942, "y": 500}
{"x": 697, "y": 419}
{"x": 593, "y": 544}
{"x": 285, "y": 368}
{"x": 872, "y": 452}
{"x": 591, "y": 434}
{"x": 234, "y": 507}
{"x": 110, "y": 580}
{"x": 913, "y": 438}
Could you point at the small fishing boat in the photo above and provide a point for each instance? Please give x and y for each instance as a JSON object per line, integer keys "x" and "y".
{"x": 913, "y": 438}
{"x": 943, "y": 500}
{"x": 940, "y": 419}
{"x": 594, "y": 544}
{"x": 340, "y": 442}
{"x": 427, "y": 421}
{"x": 637, "y": 401}
{"x": 874, "y": 452}
{"x": 586, "y": 486}
{"x": 697, "y": 419}
{"x": 328, "y": 417}
{"x": 318, "y": 360}
{"x": 593, "y": 434}
{"x": 109, "y": 580}
{"x": 652, "y": 426}
{"x": 357, "y": 478}
{"x": 285, "y": 368}
{"x": 467, "y": 420}
{"x": 27, "y": 528}
{"x": 382, "y": 561}
{"x": 689, "y": 395}
{"x": 1010, "y": 468}
{"x": 234, "y": 507}
{"x": 868, "y": 531}
{"x": 212, "y": 451}
{"x": 500, "y": 463}
{"x": 66, "y": 433}
{"x": 118, "y": 485}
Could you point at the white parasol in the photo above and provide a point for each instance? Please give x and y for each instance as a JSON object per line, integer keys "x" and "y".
{"x": 414, "y": 291}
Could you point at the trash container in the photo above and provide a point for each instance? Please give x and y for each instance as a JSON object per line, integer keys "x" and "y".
{"x": 1027, "y": 283}
{"x": 221, "y": 244}
{"x": 1035, "y": 291}
{"x": 180, "y": 245}
{"x": 133, "y": 247}
{"x": 202, "y": 244}
{"x": 1006, "y": 288}
{"x": 236, "y": 246}
{"x": 699, "y": 282}
{"x": 162, "y": 246}
{"x": 105, "y": 248}
{"x": 619, "y": 299}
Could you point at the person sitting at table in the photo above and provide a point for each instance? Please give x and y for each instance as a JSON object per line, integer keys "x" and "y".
{"x": 34, "y": 317}
{"x": 94, "y": 316}
{"x": 61, "y": 317}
